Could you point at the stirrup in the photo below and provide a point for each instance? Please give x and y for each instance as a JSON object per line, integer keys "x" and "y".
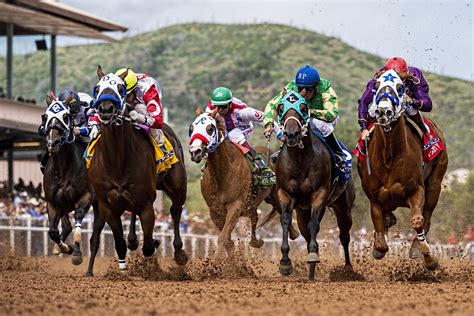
{"x": 274, "y": 156}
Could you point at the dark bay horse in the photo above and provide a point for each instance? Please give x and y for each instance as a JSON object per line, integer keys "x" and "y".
{"x": 123, "y": 174}
{"x": 66, "y": 183}
{"x": 398, "y": 177}
{"x": 304, "y": 177}
{"x": 226, "y": 184}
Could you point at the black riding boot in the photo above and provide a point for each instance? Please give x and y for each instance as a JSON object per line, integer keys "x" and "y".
{"x": 44, "y": 161}
{"x": 256, "y": 159}
{"x": 336, "y": 148}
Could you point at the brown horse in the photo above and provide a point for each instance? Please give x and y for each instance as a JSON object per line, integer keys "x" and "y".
{"x": 66, "y": 184}
{"x": 122, "y": 172}
{"x": 304, "y": 178}
{"x": 226, "y": 184}
{"x": 398, "y": 177}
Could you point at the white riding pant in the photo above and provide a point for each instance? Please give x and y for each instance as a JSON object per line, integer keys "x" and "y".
{"x": 156, "y": 133}
{"x": 324, "y": 128}
{"x": 240, "y": 134}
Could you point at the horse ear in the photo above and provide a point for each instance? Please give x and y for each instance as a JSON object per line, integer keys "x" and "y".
{"x": 49, "y": 100}
{"x": 124, "y": 74}
{"x": 198, "y": 111}
{"x": 100, "y": 72}
{"x": 213, "y": 113}
{"x": 68, "y": 100}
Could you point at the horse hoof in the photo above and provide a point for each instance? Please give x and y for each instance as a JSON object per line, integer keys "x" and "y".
{"x": 313, "y": 257}
{"x": 132, "y": 244}
{"x": 431, "y": 263}
{"x": 286, "y": 269}
{"x": 76, "y": 259}
{"x": 156, "y": 243}
{"x": 256, "y": 243}
{"x": 180, "y": 257}
{"x": 89, "y": 274}
{"x": 378, "y": 254}
{"x": 56, "y": 250}
{"x": 311, "y": 270}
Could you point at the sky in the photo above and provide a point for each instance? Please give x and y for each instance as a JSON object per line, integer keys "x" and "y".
{"x": 436, "y": 36}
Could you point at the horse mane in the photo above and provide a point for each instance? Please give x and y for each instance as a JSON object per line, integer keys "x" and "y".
{"x": 219, "y": 124}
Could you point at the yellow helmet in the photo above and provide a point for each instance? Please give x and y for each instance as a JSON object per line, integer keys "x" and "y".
{"x": 131, "y": 79}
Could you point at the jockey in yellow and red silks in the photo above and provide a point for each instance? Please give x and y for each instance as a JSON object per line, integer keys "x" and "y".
{"x": 144, "y": 96}
{"x": 416, "y": 95}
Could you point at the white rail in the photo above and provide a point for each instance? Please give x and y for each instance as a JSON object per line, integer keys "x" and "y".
{"x": 29, "y": 236}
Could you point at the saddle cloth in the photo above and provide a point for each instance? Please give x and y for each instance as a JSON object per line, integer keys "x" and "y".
{"x": 164, "y": 159}
{"x": 430, "y": 149}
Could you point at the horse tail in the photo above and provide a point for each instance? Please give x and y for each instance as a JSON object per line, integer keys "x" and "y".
{"x": 173, "y": 138}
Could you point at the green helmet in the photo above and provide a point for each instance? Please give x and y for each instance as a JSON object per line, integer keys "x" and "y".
{"x": 221, "y": 96}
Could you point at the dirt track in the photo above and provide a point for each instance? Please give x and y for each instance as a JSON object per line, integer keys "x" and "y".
{"x": 250, "y": 286}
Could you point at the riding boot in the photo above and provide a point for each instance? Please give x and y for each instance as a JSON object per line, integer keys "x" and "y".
{"x": 258, "y": 160}
{"x": 338, "y": 152}
{"x": 44, "y": 161}
{"x": 418, "y": 119}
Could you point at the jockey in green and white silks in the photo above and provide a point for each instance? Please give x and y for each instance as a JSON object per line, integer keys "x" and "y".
{"x": 238, "y": 119}
{"x": 323, "y": 105}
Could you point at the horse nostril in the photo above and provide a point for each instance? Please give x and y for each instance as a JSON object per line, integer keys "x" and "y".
{"x": 377, "y": 112}
{"x": 389, "y": 113}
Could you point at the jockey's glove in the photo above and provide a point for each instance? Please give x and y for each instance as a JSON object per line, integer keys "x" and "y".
{"x": 94, "y": 132}
{"x": 137, "y": 117}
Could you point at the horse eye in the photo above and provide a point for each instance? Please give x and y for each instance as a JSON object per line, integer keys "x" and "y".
{"x": 191, "y": 129}
{"x": 96, "y": 90}
{"x": 210, "y": 130}
{"x": 400, "y": 89}
{"x": 66, "y": 118}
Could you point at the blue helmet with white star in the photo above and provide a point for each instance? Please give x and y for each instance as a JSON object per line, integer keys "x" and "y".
{"x": 307, "y": 77}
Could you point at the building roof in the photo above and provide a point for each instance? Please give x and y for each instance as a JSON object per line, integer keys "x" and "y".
{"x": 44, "y": 17}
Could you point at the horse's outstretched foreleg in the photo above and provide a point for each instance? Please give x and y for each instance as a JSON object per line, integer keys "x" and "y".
{"x": 147, "y": 219}
{"x": 285, "y": 219}
{"x": 380, "y": 244}
{"x": 54, "y": 216}
{"x": 254, "y": 242}
{"x": 224, "y": 240}
{"x": 416, "y": 203}
{"x": 179, "y": 254}
{"x": 99, "y": 223}
{"x": 343, "y": 207}
{"x": 318, "y": 207}
{"x": 81, "y": 209}
{"x": 115, "y": 224}
{"x": 132, "y": 240}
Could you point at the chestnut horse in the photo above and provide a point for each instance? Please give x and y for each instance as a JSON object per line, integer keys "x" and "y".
{"x": 398, "y": 177}
{"x": 66, "y": 184}
{"x": 227, "y": 183}
{"x": 123, "y": 174}
{"x": 305, "y": 183}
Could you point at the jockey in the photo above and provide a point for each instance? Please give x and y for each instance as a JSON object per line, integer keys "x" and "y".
{"x": 416, "y": 98}
{"x": 80, "y": 109}
{"x": 238, "y": 119}
{"x": 144, "y": 96}
{"x": 322, "y": 102}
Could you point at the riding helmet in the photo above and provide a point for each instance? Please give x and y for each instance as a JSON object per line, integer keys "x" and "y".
{"x": 307, "y": 77}
{"x": 221, "y": 96}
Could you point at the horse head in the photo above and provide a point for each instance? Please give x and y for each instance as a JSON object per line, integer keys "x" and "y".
{"x": 205, "y": 135}
{"x": 388, "y": 98}
{"x": 109, "y": 96}
{"x": 58, "y": 122}
{"x": 293, "y": 115}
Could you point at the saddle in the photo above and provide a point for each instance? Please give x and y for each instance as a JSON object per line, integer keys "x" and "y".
{"x": 165, "y": 156}
{"x": 431, "y": 149}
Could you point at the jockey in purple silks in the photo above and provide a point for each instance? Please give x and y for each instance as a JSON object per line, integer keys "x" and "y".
{"x": 416, "y": 99}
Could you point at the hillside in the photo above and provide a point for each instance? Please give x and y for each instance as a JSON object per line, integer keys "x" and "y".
{"x": 255, "y": 61}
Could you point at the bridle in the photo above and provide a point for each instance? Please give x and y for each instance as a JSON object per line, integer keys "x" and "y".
{"x": 294, "y": 101}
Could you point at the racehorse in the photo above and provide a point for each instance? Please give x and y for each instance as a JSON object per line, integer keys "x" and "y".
{"x": 227, "y": 184}
{"x": 304, "y": 176}
{"x": 123, "y": 174}
{"x": 398, "y": 176}
{"x": 66, "y": 183}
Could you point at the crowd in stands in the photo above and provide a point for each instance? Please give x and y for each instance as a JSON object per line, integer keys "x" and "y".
{"x": 24, "y": 200}
{"x": 18, "y": 99}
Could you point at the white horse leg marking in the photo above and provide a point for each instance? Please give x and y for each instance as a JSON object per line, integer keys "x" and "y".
{"x": 77, "y": 232}
{"x": 122, "y": 264}
{"x": 424, "y": 247}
